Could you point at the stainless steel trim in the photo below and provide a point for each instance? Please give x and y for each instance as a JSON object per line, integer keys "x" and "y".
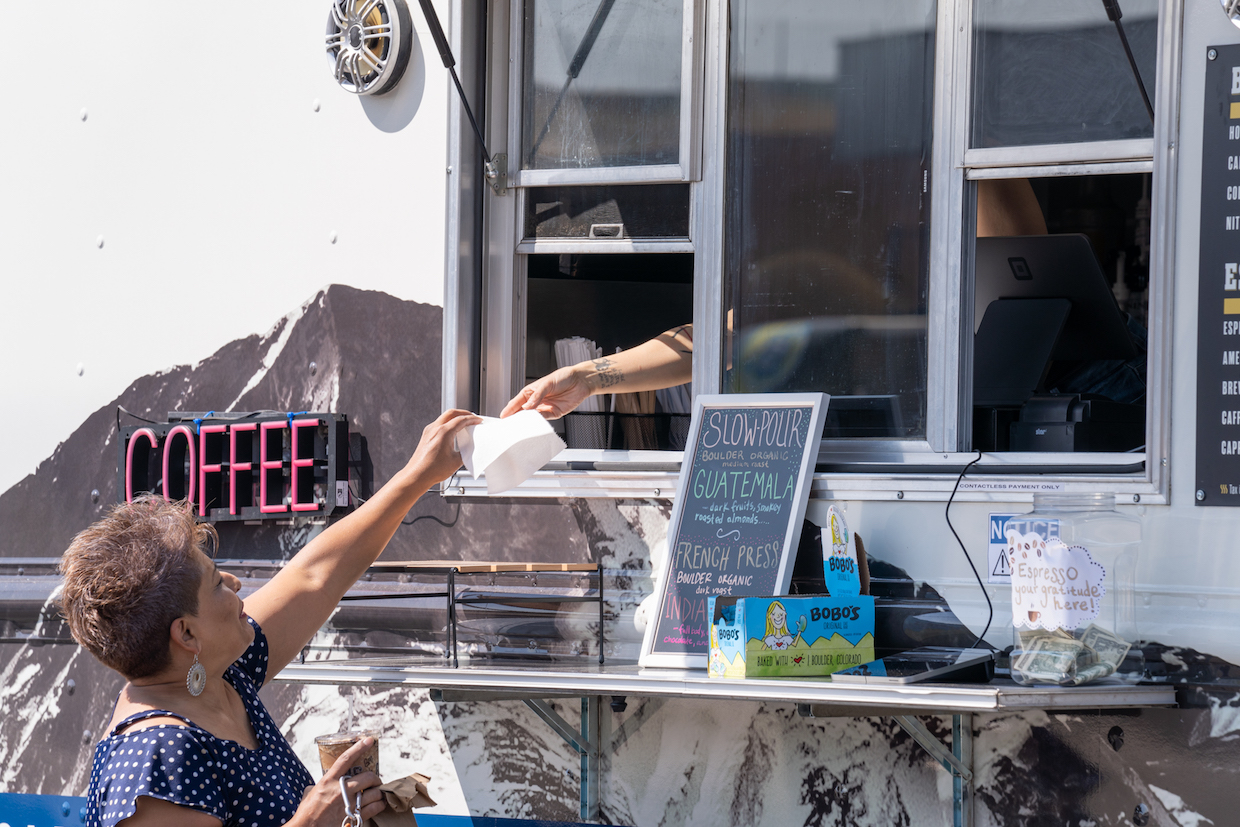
{"x": 1162, "y": 245}
{"x": 517, "y": 317}
{"x": 600, "y": 245}
{"x": 499, "y": 335}
{"x": 922, "y": 487}
{"x": 707, "y": 206}
{"x": 631, "y": 459}
{"x": 691, "y": 79}
{"x": 865, "y": 448}
{"x": 512, "y": 103}
{"x": 622, "y": 485}
{"x": 621, "y": 478}
{"x": 946, "y": 424}
{"x": 912, "y": 454}
{"x": 453, "y": 371}
{"x": 662, "y": 682}
{"x": 1060, "y": 170}
{"x": 654, "y": 174}
{"x": 1135, "y": 149}
{"x": 462, "y": 299}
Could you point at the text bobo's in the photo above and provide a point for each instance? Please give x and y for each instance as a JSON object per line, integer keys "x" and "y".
{"x": 740, "y": 500}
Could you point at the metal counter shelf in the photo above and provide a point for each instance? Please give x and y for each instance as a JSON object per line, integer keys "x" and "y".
{"x": 490, "y": 682}
{"x": 536, "y": 685}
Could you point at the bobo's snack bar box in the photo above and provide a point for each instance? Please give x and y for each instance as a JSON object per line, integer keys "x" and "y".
{"x": 785, "y": 636}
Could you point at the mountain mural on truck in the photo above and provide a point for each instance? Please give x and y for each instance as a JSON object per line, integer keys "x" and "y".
{"x": 363, "y": 353}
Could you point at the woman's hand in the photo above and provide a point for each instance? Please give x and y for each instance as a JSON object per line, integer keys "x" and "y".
{"x": 436, "y": 457}
{"x": 322, "y": 805}
{"x": 554, "y": 395}
{"x": 661, "y": 362}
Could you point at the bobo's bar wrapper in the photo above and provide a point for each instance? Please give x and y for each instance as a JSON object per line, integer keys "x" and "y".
{"x": 784, "y": 636}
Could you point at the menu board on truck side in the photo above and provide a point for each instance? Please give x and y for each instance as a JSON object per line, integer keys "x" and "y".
{"x": 744, "y": 483}
{"x": 1218, "y": 310}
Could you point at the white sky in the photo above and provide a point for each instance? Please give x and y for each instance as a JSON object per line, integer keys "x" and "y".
{"x": 215, "y": 186}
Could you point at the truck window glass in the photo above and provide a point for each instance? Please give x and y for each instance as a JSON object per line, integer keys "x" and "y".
{"x": 1055, "y": 72}
{"x": 827, "y": 207}
{"x": 601, "y": 83}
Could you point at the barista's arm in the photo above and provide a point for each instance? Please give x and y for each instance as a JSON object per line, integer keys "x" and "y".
{"x": 661, "y": 362}
{"x": 1008, "y": 206}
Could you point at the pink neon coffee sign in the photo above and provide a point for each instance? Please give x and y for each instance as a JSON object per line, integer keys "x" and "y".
{"x": 241, "y": 466}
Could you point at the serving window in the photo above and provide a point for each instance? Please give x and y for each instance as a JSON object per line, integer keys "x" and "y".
{"x": 1061, "y": 315}
{"x": 1060, "y": 168}
{"x": 838, "y": 173}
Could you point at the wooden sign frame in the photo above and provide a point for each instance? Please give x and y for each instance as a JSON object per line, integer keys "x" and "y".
{"x": 651, "y": 652}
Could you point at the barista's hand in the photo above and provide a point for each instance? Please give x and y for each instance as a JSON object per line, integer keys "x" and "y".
{"x": 322, "y": 804}
{"x": 552, "y": 396}
{"x": 436, "y": 456}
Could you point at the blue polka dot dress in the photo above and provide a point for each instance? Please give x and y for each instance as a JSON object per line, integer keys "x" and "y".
{"x": 190, "y": 767}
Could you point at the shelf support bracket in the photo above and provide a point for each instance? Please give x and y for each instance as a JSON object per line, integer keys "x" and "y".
{"x": 958, "y": 760}
{"x": 585, "y": 743}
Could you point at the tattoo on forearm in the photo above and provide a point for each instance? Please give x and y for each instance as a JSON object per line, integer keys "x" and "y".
{"x": 685, "y": 330}
{"x": 608, "y": 372}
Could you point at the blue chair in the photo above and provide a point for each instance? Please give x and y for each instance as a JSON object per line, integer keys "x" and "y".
{"x": 19, "y": 810}
{"x": 41, "y": 810}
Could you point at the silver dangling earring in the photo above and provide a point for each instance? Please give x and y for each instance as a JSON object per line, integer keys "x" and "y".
{"x": 196, "y": 680}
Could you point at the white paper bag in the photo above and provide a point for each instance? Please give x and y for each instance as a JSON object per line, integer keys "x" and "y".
{"x": 508, "y": 451}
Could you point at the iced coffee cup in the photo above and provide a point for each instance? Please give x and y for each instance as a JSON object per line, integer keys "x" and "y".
{"x": 333, "y": 746}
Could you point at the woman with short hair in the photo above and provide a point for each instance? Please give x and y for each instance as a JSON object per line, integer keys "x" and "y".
{"x": 190, "y": 743}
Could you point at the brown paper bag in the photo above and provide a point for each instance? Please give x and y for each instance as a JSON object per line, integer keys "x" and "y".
{"x": 402, "y": 797}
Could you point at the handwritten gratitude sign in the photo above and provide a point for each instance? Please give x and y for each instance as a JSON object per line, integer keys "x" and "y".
{"x": 740, "y": 500}
{"x": 1054, "y": 586}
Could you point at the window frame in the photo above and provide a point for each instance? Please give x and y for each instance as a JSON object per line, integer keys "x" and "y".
{"x": 848, "y": 469}
{"x": 687, "y": 169}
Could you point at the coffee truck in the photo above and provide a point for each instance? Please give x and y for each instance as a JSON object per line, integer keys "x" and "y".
{"x": 246, "y": 265}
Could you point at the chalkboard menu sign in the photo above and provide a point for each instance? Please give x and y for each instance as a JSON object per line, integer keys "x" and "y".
{"x": 1218, "y": 310}
{"x": 744, "y": 483}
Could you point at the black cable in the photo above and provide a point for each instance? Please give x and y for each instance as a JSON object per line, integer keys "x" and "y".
{"x": 1114, "y": 14}
{"x": 455, "y": 517}
{"x": 947, "y": 515}
{"x": 449, "y": 63}
{"x": 120, "y": 409}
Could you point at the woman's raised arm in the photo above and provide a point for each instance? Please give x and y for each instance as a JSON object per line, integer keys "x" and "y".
{"x": 295, "y": 603}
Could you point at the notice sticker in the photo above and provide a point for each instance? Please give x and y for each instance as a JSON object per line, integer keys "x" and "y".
{"x": 998, "y": 565}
